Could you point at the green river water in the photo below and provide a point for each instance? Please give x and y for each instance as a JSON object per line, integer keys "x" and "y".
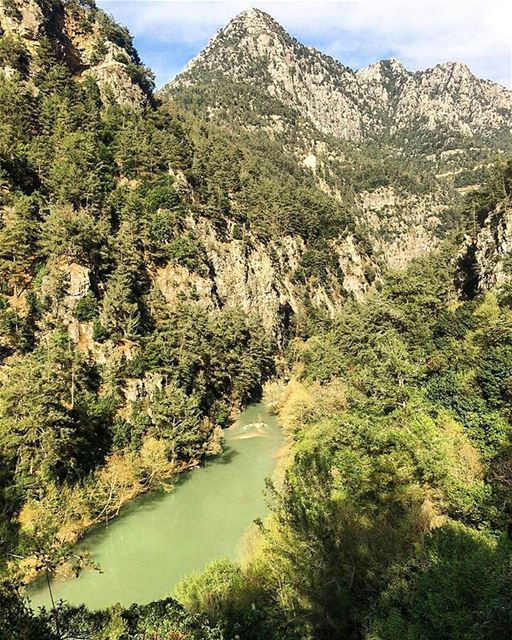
{"x": 159, "y": 538}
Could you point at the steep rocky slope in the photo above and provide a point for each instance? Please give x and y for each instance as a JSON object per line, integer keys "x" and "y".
{"x": 262, "y": 279}
{"x": 403, "y": 225}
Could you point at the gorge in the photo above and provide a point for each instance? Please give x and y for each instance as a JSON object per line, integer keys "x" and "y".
{"x": 271, "y": 219}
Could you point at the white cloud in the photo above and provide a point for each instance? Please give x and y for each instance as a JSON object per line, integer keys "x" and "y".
{"x": 420, "y": 33}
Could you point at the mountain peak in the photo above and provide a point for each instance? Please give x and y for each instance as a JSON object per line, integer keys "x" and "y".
{"x": 253, "y": 21}
{"x": 235, "y": 40}
{"x": 455, "y": 67}
{"x": 392, "y": 67}
{"x": 452, "y": 70}
{"x": 253, "y": 14}
{"x": 395, "y": 64}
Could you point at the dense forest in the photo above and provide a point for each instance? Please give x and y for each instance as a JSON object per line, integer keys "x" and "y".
{"x": 394, "y": 515}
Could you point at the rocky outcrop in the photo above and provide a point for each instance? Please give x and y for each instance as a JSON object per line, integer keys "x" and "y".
{"x": 24, "y": 19}
{"x": 262, "y": 279}
{"x": 114, "y": 81}
{"x": 82, "y": 37}
{"x": 485, "y": 260}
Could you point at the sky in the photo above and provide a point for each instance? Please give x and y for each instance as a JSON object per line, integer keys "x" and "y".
{"x": 420, "y": 33}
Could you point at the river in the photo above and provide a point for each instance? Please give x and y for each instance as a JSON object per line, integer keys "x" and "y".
{"x": 161, "y": 537}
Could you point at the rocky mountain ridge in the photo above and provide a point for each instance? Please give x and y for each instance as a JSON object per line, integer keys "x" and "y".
{"x": 383, "y": 99}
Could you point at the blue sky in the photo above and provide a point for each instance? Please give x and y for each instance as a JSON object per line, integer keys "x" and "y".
{"x": 420, "y": 33}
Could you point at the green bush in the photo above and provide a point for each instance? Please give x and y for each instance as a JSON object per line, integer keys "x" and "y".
{"x": 86, "y": 309}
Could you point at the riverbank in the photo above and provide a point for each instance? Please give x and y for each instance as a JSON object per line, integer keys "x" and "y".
{"x": 68, "y": 513}
{"x": 160, "y": 537}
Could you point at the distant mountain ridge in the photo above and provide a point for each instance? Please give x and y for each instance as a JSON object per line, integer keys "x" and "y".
{"x": 254, "y": 51}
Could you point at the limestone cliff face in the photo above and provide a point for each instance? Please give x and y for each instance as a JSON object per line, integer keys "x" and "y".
{"x": 255, "y": 51}
{"x": 402, "y": 225}
{"x": 485, "y": 259}
{"x": 82, "y": 37}
{"x": 23, "y": 18}
{"x": 242, "y": 274}
{"x": 263, "y": 279}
